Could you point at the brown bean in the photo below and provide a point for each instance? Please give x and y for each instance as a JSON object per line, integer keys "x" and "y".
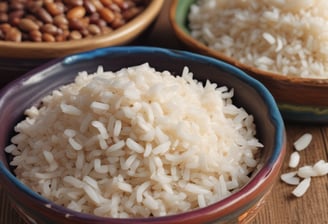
{"x": 76, "y": 24}
{"x": 75, "y": 35}
{"x": 89, "y": 7}
{"x": 76, "y": 13}
{"x": 54, "y": 8}
{"x": 13, "y": 34}
{"x": 106, "y": 29}
{"x": 13, "y": 20}
{"x": 115, "y": 8}
{"x": 44, "y": 15}
{"x": 94, "y": 29}
{"x": 118, "y": 22}
{"x": 16, "y": 5}
{"x": 49, "y": 28}
{"x": 60, "y": 38}
{"x": 131, "y": 13}
{"x": 97, "y": 4}
{"x": 35, "y": 35}
{"x": 33, "y": 6}
{"x": 63, "y": 26}
{"x": 2, "y": 35}
{"x": 5, "y": 27}
{"x": 106, "y": 2}
{"x": 102, "y": 23}
{"x": 107, "y": 15}
{"x": 85, "y": 32}
{"x": 124, "y": 5}
{"x": 94, "y": 17}
{"x": 15, "y": 16}
{"x": 27, "y": 25}
{"x": 47, "y": 37}
{"x": 66, "y": 33}
{"x": 3, "y": 6}
{"x": 62, "y": 35}
{"x": 34, "y": 19}
{"x": 60, "y": 19}
{"x": 74, "y": 2}
{"x": 3, "y": 17}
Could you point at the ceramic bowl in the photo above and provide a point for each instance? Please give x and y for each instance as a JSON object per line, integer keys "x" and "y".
{"x": 18, "y": 58}
{"x": 299, "y": 99}
{"x": 240, "y": 207}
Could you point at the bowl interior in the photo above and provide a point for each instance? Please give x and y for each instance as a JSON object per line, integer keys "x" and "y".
{"x": 299, "y": 99}
{"x": 249, "y": 93}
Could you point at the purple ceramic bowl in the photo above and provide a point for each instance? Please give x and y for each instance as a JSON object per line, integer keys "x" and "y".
{"x": 249, "y": 93}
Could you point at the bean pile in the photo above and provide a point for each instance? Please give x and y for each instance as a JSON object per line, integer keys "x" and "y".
{"x": 54, "y": 20}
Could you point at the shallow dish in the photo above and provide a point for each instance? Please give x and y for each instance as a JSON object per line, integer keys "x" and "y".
{"x": 299, "y": 99}
{"x": 240, "y": 207}
{"x": 18, "y": 58}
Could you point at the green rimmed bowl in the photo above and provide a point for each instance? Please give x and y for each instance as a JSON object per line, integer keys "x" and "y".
{"x": 299, "y": 99}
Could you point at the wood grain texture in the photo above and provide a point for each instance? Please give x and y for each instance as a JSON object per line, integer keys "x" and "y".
{"x": 281, "y": 207}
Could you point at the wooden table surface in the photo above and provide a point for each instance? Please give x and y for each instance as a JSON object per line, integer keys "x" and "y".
{"x": 280, "y": 207}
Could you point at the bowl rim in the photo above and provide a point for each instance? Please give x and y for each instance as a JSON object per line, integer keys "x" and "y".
{"x": 183, "y": 34}
{"x": 252, "y": 189}
{"x": 121, "y": 35}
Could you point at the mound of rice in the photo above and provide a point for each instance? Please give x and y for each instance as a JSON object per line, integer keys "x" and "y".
{"x": 289, "y": 37}
{"x": 135, "y": 143}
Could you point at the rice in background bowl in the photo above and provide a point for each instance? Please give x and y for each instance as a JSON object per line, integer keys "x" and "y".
{"x": 280, "y": 43}
{"x": 285, "y": 37}
{"x": 235, "y": 205}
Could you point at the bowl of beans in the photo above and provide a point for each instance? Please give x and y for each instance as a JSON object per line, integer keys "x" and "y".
{"x": 131, "y": 134}
{"x": 32, "y": 32}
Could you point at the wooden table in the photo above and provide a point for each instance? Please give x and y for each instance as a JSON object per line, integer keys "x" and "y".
{"x": 281, "y": 207}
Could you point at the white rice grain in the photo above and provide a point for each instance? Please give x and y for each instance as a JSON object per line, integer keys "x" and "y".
{"x": 99, "y": 107}
{"x": 101, "y": 128}
{"x": 303, "y": 142}
{"x": 290, "y": 178}
{"x": 269, "y": 38}
{"x": 321, "y": 168}
{"x": 75, "y": 145}
{"x": 302, "y": 187}
{"x": 115, "y": 147}
{"x": 70, "y": 109}
{"x": 134, "y": 146}
{"x": 141, "y": 189}
{"x": 306, "y": 172}
{"x": 294, "y": 159}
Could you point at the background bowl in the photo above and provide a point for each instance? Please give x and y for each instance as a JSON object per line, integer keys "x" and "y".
{"x": 239, "y": 207}
{"x": 299, "y": 99}
{"x": 18, "y": 58}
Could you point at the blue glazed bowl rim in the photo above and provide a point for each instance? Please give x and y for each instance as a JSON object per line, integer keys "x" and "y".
{"x": 248, "y": 189}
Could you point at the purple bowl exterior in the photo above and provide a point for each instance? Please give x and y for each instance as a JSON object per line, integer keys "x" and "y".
{"x": 9, "y": 70}
{"x": 43, "y": 79}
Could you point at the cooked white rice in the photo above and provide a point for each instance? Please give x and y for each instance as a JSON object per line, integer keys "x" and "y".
{"x": 135, "y": 143}
{"x": 289, "y": 37}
